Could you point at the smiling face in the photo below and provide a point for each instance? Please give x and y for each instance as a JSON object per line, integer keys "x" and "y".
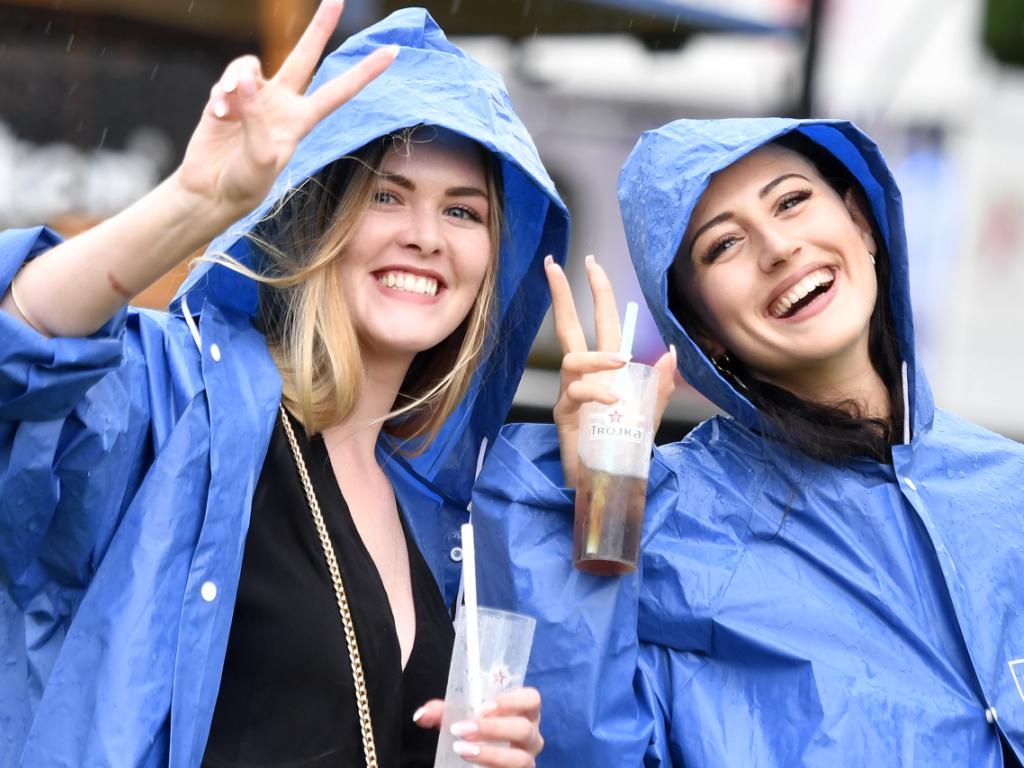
{"x": 779, "y": 271}
{"x": 417, "y": 259}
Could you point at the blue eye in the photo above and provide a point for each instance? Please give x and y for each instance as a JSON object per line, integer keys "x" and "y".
{"x": 383, "y": 197}
{"x": 464, "y": 213}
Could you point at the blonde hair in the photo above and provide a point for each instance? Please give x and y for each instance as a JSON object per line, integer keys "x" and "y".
{"x": 307, "y": 323}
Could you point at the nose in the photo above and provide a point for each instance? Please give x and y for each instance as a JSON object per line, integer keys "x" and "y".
{"x": 777, "y": 248}
{"x": 422, "y": 231}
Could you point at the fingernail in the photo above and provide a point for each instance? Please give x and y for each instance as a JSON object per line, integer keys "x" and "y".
{"x": 672, "y": 349}
{"x": 464, "y": 728}
{"x": 465, "y": 749}
{"x": 487, "y": 707}
{"x": 228, "y": 84}
{"x": 618, "y": 357}
{"x": 391, "y": 50}
{"x": 418, "y": 714}
{"x": 220, "y": 109}
{"x": 590, "y": 259}
{"x": 549, "y": 260}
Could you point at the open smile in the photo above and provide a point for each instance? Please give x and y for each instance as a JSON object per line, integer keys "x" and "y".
{"x": 408, "y": 281}
{"x": 805, "y": 297}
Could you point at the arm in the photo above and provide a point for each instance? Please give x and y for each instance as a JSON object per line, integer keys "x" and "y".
{"x": 246, "y": 135}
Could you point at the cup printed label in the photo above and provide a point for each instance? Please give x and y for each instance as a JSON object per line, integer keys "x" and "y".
{"x": 614, "y": 424}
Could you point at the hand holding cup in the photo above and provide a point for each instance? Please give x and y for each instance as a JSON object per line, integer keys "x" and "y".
{"x": 577, "y": 384}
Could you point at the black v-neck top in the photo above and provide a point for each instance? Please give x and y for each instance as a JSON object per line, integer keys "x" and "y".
{"x": 286, "y": 696}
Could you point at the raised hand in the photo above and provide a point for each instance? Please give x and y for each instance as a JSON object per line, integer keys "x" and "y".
{"x": 576, "y": 387}
{"x": 250, "y": 125}
{"x": 513, "y": 718}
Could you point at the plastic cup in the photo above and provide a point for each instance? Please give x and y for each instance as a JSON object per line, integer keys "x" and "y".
{"x": 504, "y": 651}
{"x": 611, "y": 486}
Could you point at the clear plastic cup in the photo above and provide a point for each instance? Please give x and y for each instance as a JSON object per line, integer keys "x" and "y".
{"x": 614, "y": 458}
{"x": 505, "y": 639}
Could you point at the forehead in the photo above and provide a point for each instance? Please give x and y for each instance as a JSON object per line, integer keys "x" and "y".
{"x": 748, "y": 175}
{"x": 436, "y": 150}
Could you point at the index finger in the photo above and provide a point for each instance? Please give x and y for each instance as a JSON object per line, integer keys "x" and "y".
{"x": 298, "y": 67}
{"x": 518, "y": 701}
{"x": 563, "y": 309}
{"x": 336, "y": 92}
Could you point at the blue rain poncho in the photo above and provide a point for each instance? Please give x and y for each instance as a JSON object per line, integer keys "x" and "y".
{"x": 786, "y": 612}
{"x": 129, "y": 458}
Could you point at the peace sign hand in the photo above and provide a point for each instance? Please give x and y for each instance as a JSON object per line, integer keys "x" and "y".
{"x": 576, "y": 388}
{"x": 251, "y": 126}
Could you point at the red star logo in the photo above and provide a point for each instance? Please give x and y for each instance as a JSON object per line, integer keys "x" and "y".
{"x": 615, "y": 416}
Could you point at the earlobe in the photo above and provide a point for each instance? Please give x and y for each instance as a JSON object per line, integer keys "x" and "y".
{"x": 856, "y": 205}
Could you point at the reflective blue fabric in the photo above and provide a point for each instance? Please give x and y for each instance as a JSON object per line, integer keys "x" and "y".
{"x": 128, "y": 459}
{"x": 786, "y": 612}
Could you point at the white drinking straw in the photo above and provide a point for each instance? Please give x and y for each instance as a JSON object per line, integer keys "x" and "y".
{"x": 626, "y": 345}
{"x": 472, "y": 623}
{"x": 628, "y": 329}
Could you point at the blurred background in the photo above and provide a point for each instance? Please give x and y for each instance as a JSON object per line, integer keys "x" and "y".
{"x": 98, "y": 98}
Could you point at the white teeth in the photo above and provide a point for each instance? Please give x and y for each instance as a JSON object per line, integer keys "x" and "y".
{"x": 800, "y": 290}
{"x": 409, "y": 283}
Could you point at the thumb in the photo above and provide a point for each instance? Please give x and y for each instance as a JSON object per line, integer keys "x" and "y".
{"x": 666, "y": 367}
{"x": 430, "y": 714}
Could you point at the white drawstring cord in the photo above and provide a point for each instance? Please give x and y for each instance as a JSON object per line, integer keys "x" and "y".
{"x": 190, "y": 322}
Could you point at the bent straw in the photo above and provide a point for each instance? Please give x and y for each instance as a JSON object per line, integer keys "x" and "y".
{"x": 472, "y": 623}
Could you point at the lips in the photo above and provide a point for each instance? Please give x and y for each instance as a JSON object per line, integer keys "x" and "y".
{"x": 801, "y": 290}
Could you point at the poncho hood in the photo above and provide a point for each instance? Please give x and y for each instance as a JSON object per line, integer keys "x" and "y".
{"x": 660, "y": 185}
{"x": 431, "y": 82}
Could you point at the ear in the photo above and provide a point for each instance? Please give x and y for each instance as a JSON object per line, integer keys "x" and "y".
{"x": 711, "y": 346}
{"x": 857, "y": 207}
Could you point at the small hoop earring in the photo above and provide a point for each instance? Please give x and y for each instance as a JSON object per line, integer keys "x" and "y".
{"x": 872, "y": 257}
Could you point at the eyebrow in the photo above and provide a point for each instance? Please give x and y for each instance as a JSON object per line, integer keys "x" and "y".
{"x": 727, "y": 215}
{"x": 407, "y": 183}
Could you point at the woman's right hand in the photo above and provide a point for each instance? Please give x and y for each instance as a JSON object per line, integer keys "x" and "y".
{"x": 576, "y": 388}
{"x": 250, "y": 125}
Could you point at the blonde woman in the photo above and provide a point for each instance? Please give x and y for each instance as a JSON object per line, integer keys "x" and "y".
{"x": 229, "y": 533}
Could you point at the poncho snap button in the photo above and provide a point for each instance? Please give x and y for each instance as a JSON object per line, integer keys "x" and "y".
{"x": 910, "y": 483}
{"x": 990, "y": 715}
{"x": 208, "y": 591}
{"x": 456, "y": 554}
{"x": 215, "y": 353}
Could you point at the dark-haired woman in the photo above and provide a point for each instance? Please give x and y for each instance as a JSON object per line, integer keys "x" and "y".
{"x": 831, "y": 570}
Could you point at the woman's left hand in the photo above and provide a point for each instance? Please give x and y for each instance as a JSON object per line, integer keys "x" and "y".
{"x": 512, "y": 717}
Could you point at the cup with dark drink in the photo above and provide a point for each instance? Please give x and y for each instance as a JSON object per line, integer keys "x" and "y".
{"x": 611, "y": 488}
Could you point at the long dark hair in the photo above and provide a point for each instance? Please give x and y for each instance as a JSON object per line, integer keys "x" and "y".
{"x": 835, "y": 431}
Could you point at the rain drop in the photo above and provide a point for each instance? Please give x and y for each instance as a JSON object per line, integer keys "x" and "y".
{"x": 152, "y": 75}
{"x": 190, "y": 5}
{"x": 456, "y": 6}
{"x": 71, "y": 41}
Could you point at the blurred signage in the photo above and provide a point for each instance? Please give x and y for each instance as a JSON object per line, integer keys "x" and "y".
{"x": 657, "y": 23}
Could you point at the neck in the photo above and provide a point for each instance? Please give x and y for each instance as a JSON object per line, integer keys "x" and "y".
{"x": 837, "y": 383}
{"x": 356, "y": 436}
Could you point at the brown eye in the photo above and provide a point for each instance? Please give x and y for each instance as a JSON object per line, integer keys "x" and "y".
{"x": 717, "y": 248}
{"x": 793, "y": 199}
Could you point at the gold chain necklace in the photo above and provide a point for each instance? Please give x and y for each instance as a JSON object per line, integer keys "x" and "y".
{"x": 362, "y": 700}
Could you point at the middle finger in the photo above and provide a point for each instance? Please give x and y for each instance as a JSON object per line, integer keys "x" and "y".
{"x": 606, "y": 312}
